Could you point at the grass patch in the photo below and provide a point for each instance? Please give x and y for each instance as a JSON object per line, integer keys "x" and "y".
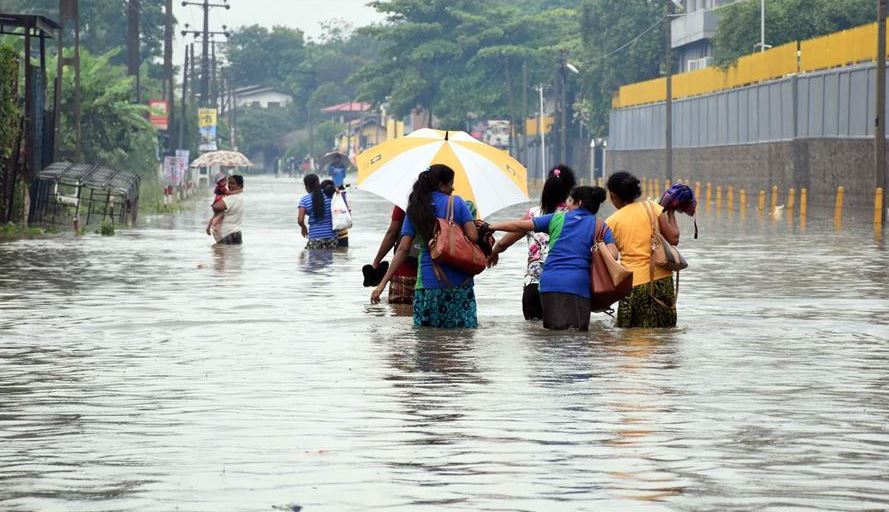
{"x": 11, "y": 231}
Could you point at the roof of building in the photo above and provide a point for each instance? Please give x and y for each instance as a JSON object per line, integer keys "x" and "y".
{"x": 257, "y": 89}
{"x": 352, "y": 106}
{"x": 38, "y": 24}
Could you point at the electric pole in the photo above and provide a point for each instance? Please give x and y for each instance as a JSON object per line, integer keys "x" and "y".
{"x": 133, "y": 57}
{"x": 668, "y": 64}
{"x": 879, "y": 119}
{"x": 563, "y": 106}
{"x": 206, "y": 5}
{"x": 524, "y": 151}
{"x": 169, "y": 81}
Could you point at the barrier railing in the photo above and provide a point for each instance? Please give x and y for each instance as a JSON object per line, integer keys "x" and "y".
{"x": 843, "y": 48}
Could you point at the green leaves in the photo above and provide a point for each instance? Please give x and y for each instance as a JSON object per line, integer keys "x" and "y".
{"x": 786, "y": 21}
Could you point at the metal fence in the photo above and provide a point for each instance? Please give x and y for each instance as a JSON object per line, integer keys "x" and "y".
{"x": 833, "y": 103}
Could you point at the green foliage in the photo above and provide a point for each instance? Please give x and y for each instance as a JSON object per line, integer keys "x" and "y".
{"x": 115, "y": 132}
{"x": 260, "y": 129}
{"x": 104, "y": 24}
{"x": 463, "y": 59}
{"x": 9, "y": 108}
{"x": 605, "y": 27}
{"x": 260, "y": 56}
{"x": 786, "y": 21}
{"x": 106, "y": 229}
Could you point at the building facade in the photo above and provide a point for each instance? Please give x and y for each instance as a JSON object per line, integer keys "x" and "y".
{"x": 693, "y": 32}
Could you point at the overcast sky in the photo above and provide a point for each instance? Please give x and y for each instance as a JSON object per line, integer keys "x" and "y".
{"x": 305, "y": 15}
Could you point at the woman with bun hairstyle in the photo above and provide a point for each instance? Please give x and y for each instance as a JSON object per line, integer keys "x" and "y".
{"x": 565, "y": 280}
{"x": 652, "y": 303}
{"x": 444, "y": 296}
{"x": 559, "y": 182}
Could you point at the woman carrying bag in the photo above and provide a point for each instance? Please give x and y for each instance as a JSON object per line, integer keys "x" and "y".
{"x": 635, "y": 225}
{"x": 444, "y": 295}
{"x": 565, "y": 280}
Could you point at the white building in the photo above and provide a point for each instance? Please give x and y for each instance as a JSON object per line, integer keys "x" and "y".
{"x": 692, "y": 33}
{"x": 261, "y": 96}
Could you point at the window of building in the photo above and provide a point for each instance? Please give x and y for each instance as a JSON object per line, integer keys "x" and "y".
{"x": 274, "y": 104}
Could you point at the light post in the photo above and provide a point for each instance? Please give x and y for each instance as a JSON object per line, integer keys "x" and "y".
{"x": 540, "y": 130}
{"x": 762, "y": 28}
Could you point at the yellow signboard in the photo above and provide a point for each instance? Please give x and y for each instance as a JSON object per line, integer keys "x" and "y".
{"x": 206, "y": 117}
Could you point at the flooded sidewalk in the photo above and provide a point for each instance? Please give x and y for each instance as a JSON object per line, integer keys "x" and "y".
{"x": 151, "y": 370}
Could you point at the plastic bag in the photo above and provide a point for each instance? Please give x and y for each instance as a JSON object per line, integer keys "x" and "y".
{"x": 339, "y": 212}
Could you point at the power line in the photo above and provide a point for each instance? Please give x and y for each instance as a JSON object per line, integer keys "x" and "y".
{"x": 633, "y": 41}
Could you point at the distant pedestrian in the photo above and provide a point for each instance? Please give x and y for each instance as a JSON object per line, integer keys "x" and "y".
{"x": 337, "y": 172}
{"x": 315, "y": 206}
{"x": 444, "y": 296}
{"x": 565, "y": 279}
{"x": 559, "y": 182}
{"x": 233, "y": 206}
{"x": 652, "y": 302}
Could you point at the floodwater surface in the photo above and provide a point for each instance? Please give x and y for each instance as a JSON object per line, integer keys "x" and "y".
{"x": 152, "y": 371}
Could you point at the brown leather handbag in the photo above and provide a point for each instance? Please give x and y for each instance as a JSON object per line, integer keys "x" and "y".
{"x": 665, "y": 254}
{"x": 450, "y": 246}
{"x": 609, "y": 280}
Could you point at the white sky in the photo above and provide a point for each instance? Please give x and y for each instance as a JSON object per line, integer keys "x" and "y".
{"x": 305, "y": 15}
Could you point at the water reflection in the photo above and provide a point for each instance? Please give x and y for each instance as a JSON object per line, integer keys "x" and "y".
{"x": 146, "y": 369}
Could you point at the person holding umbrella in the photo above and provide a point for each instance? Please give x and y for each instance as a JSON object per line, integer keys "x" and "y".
{"x": 444, "y": 296}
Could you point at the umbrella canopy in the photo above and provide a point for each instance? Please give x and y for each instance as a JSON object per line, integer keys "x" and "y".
{"x": 331, "y": 157}
{"x": 222, "y": 159}
{"x": 485, "y": 175}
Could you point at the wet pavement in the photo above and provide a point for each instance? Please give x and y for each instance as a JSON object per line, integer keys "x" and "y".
{"x": 152, "y": 371}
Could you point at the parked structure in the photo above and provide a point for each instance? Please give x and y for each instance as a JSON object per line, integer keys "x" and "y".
{"x": 81, "y": 193}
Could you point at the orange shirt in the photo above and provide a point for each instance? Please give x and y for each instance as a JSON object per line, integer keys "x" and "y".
{"x": 631, "y": 226}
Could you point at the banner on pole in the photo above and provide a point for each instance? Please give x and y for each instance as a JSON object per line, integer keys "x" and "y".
{"x": 207, "y": 125}
{"x": 159, "y": 114}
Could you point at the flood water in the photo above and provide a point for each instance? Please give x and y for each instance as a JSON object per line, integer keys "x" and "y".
{"x": 152, "y": 371}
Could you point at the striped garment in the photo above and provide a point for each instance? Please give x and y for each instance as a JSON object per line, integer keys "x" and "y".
{"x": 319, "y": 229}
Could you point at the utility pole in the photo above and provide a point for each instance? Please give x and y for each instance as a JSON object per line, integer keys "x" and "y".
{"x": 668, "y": 64}
{"x": 563, "y": 106}
{"x": 69, "y": 15}
{"x": 185, "y": 74}
{"x": 879, "y": 119}
{"x": 133, "y": 58}
{"x": 206, "y": 5}
{"x": 170, "y": 82}
{"x": 762, "y": 26}
{"x": 540, "y": 130}
{"x": 524, "y": 150}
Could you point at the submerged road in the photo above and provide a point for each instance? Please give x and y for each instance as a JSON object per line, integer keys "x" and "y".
{"x": 152, "y": 371}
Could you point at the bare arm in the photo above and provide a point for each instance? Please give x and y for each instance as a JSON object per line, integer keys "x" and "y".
{"x": 388, "y": 243}
{"x": 470, "y": 231}
{"x": 397, "y": 260}
{"x": 219, "y": 206}
{"x": 669, "y": 226}
{"x": 302, "y": 222}
{"x": 613, "y": 250}
{"x": 215, "y": 219}
{"x": 514, "y": 226}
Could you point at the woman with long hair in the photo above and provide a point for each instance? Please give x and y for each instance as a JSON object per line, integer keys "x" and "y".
{"x": 559, "y": 182}
{"x": 316, "y": 205}
{"x": 652, "y": 303}
{"x": 565, "y": 280}
{"x": 444, "y": 296}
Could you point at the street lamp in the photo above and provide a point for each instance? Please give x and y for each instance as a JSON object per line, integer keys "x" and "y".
{"x": 762, "y": 28}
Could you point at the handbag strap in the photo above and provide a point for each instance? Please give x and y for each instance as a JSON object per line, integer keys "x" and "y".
{"x": 450, "y": 214}
{"x": 655, "y": 232}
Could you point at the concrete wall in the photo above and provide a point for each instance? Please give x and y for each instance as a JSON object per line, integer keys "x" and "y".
{"x": 819, "y": 165}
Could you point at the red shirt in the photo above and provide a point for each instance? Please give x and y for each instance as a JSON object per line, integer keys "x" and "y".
{"x": 409, "y": 267}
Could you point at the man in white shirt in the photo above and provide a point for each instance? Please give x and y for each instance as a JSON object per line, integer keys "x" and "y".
{"x": 233, "y": 206}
